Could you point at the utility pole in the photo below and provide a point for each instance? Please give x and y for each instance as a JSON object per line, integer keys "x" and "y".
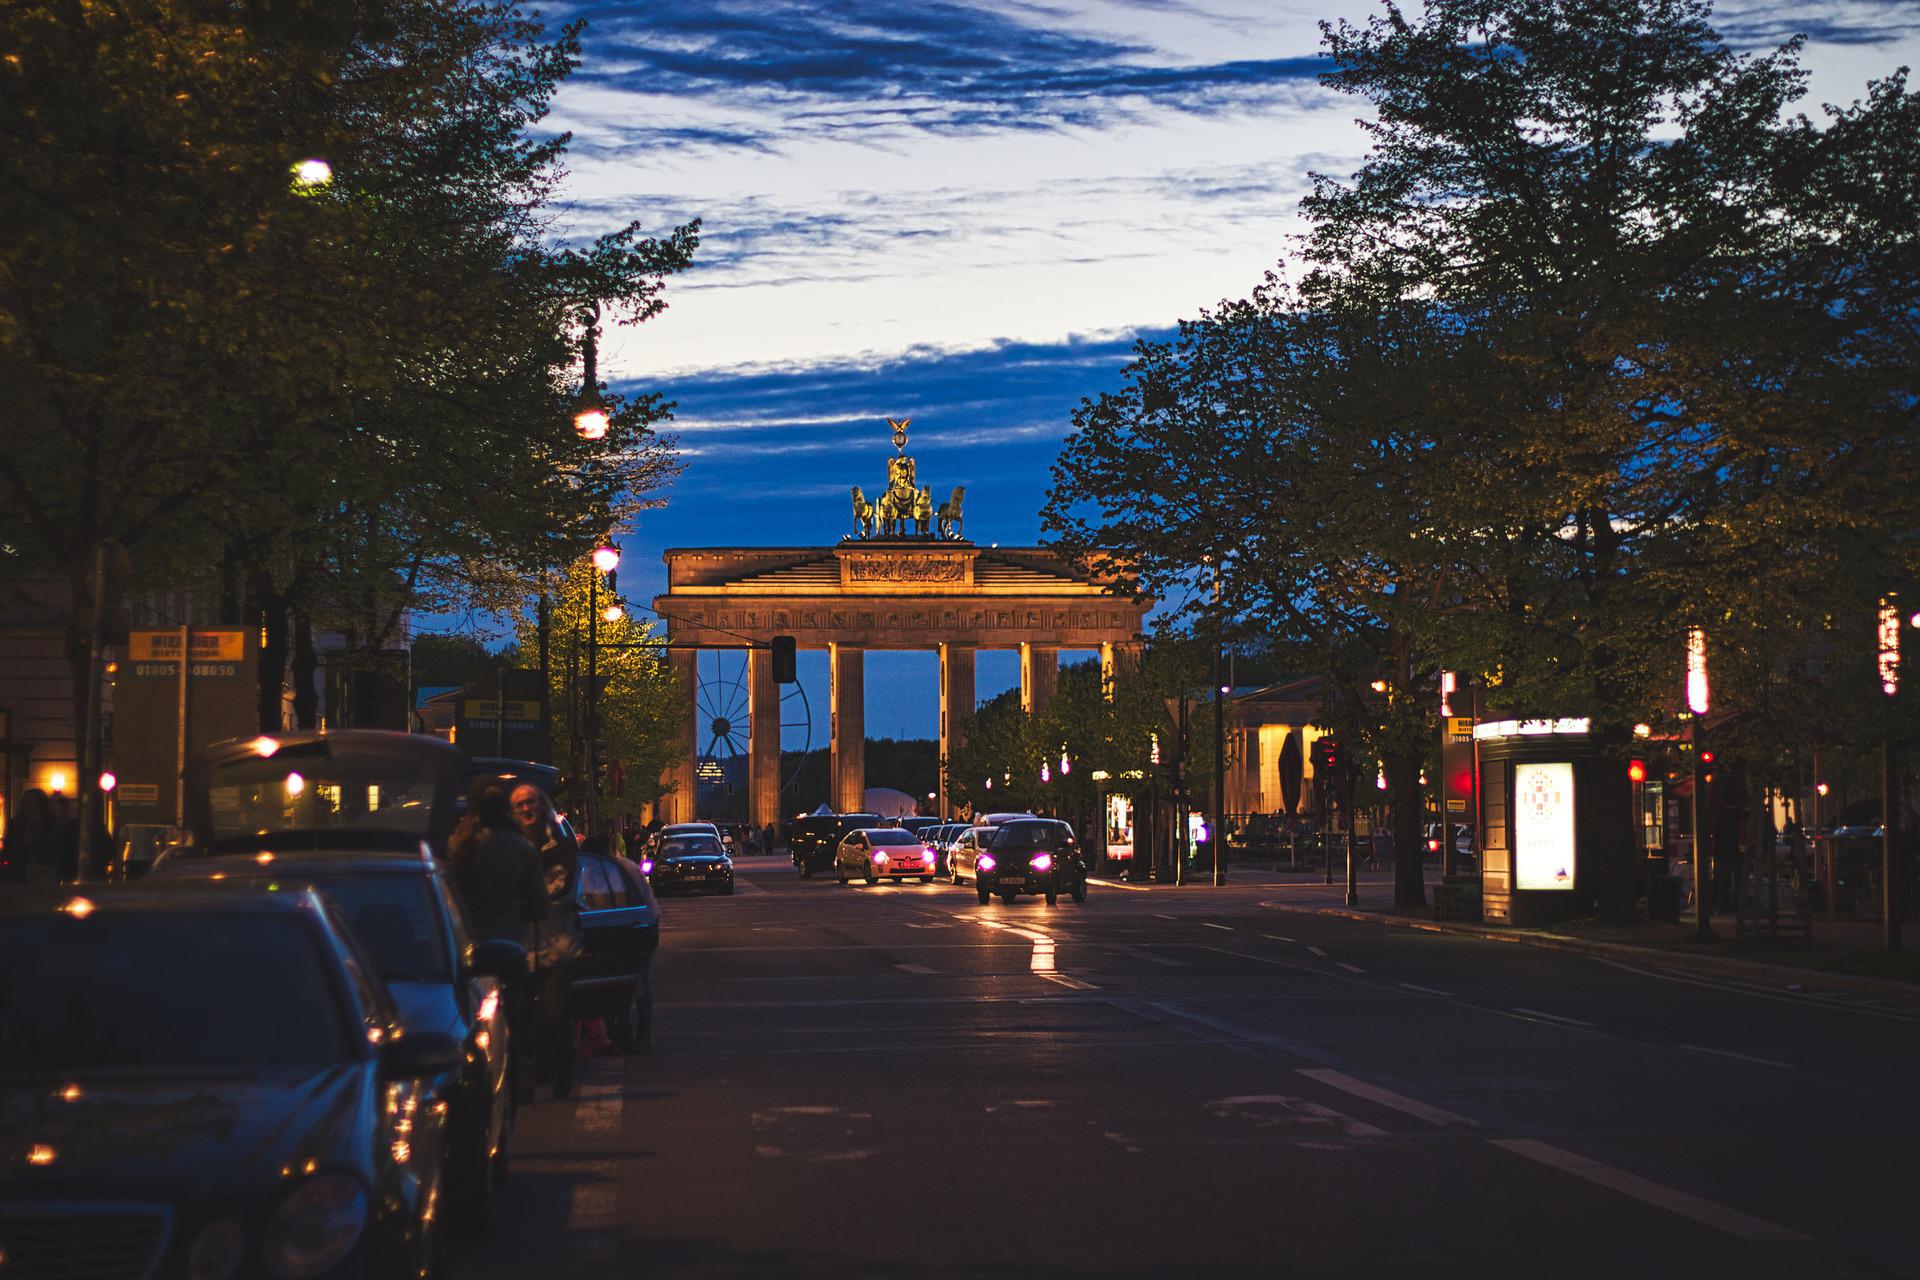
{"x": 87, "y": 776}
{"x": 1353, "y": 866}
{"x": 1219, "y": 747}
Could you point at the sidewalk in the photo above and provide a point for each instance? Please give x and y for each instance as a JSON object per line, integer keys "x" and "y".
{"x": 1844, "y": 954}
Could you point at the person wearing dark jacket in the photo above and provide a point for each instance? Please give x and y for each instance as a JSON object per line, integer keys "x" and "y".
{"x": 499, "y": 878}
{"x": 556, "y": 943}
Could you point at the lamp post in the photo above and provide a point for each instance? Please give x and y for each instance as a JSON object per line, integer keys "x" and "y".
{"x": 589, "y": 411}
{"x": 606, "y": 558}
{"x": 1892, "y": 866}
{"x": 1216, "y": 838}
{"x": 1697, "y": 703}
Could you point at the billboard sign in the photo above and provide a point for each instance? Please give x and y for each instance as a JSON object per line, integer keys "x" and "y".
{"x": 219, "y": 694}
{"x": 1543, "y": 826}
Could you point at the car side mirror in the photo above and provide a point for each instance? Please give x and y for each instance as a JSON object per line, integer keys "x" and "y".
{"x": 500, "y": 958}
{"x": 419, "y": 1053}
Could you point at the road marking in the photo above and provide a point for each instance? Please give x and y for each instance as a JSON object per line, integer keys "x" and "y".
{"x": 1043, "y": 956}
{"x": 1317, "y": 951}
{"x": 1306, "y": 1124}
{"x": 1277, "y": 938}
{"x": 1427, "y": 991}
{"x": 1224, "y": 928}
{"x": 1553, "y": 1017}
{"x": 593, "y": 1205}
{"x": 1387, "y": 1097}
{"x": 1350, "y": 968}
{"x": 1139, "y": 953}
{"x": 1069, "y": 981}
{"x": 1739, "y": 1057}
{"x": 1158, "y": 916}
{"x": 1115, "y": 884}
{"x": 915, "y": 968}
{"x": 1815, "y": 999}
{"x": 1717, "y": 1216}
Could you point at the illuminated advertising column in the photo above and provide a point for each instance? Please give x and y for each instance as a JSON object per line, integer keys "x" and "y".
{"x": 1543, "y": 857}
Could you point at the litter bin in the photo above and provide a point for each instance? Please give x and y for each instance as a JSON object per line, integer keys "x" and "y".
{"x": 1664, "y": 896}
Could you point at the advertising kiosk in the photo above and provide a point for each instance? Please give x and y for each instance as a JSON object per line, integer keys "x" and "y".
{"x": 1542, "y": 784}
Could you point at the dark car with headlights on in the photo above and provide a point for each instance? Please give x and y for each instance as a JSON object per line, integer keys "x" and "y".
{"x": 405, "y": 914}
{"x": 1023, "y": 855}
{"x": 813, "y": 841}
{"x": 691, "y": 863}
{"x": 209, "y": 1082}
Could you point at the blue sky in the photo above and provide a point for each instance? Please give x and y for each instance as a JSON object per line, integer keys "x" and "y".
{"x": 964, "y": 214}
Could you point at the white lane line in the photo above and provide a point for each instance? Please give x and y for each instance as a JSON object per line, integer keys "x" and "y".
{"x": 1427, "y": 991}
{"x": 1387, "y": 1098}
{"x": 915, "y": 968}
{"x": 1274, "y": 937}
{"x": 593, "y": 1207}
{"x": 1739, "y": 1057}
{"x": 1224, "y": 928}
{"x": 1068, "y": 980}
{"x": 1717, "y": 1216}
{"x": 1828, "y": 1000}
{"x": 1350, "y": 968}
{"x": 1553, "y": 1017}
{"x": 1043, "y": 956}
{"x": 1317, "y": 951}
{"x": 1158, "y": 916}
{"x": 1115, "y": 884}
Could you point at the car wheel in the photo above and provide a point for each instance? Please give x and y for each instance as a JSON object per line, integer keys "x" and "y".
{"x": 873, "y": 876}
{"x": 1053, "y": 896}
{"x": 841, "y": 872}
{"x": 1080, "y": 889}
{"x": 985, "y": 897}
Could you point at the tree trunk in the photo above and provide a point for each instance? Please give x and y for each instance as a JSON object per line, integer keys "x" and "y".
{"x": 1409, "y": 853}
{"x": 306, "y": 666}
{"x": 271, "y": 614}
{"x": 1613, "y": 895}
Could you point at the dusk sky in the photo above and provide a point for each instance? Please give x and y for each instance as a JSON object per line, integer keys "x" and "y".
{"x": 963, "y": 214}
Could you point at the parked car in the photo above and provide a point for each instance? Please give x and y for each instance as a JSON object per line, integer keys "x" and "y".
{"x": 813, "y": 840}
{"x": 1462, "y": 836}
{"x": 942, "y": 838}
{"x": 1026, "y": 855}
{"x": 919, "y": 826}
{"x": 692, "y": 862}
{"x": 405, "y": 914}
{"x": 878, "y": 853}
{"x": 620, "y": 931}
{"x": 211, "y": 1082}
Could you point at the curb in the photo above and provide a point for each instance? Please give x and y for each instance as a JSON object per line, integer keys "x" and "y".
{"x": 1753, "y": 970}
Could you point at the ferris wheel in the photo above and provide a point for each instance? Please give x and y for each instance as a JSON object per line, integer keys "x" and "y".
{"x": 724, "y": 706}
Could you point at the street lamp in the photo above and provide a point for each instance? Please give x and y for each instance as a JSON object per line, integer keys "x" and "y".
{"x": 1892, "y": 869}
{"x": 589, "y": 411}
{"x": 605, "y": 559}
{"x": 1698, "y": 702}
{"x": 311, "y": 174}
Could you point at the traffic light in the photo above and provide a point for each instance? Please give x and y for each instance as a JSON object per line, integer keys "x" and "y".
{"x": 600, "y": 765}
{"x": 1329, "y": 755}
{"x": 1636, "y": 771}
{"x": 785, "y": 668}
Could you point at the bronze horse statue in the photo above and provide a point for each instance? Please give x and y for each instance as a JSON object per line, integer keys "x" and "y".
{"x": 865, "y": 515}
{"x": 949, "y": 513}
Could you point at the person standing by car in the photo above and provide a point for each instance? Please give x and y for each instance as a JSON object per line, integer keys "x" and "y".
{"x": 556, "y": 942}
{"x": 33, "y": 841}
{"x": 498, "y": 875}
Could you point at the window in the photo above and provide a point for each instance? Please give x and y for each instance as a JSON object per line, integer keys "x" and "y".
{"x": 597, "y": 891}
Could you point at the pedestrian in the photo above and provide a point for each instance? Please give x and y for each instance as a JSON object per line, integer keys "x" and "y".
{"x": 498, "y": 875}
{"x": 33, "y": 841}
{"x": 556, "y": 944}
{"x": 772, "y": 837}
{"x": 66, "y": 839}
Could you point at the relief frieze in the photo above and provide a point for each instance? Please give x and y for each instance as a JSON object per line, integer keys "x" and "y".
{"x": 905, "y": 569}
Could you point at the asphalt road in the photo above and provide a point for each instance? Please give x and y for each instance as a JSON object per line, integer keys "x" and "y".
{"x": 898, "y": 1082}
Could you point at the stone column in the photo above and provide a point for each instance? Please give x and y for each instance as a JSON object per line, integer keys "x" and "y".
{"x": 763, "y": 743}
{"x": 1039, "y": 677}
{"x": 956, "y": 705}
{"x": 677, "y": 804}
{"x": 847, "y": 681}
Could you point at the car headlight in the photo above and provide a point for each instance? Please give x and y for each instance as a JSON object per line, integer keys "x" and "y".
{"x": 217, "y": 1250}
{"x": 984, "y": 862}
{"x": 879, "y": 857}
{"x": 315, "y": 1227}
{"x": 646, "y": 868}
{"x": 1042, "y": 862}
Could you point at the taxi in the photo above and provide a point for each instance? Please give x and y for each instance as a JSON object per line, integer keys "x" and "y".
{"x": 876, "y": 853}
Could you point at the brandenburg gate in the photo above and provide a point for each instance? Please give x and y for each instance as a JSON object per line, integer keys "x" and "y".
{"x": 906, "y": 578}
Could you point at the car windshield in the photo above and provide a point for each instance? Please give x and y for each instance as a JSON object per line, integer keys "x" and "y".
{"x": 201, "y": 990}
{"x": 303, "y": 792}
{"x": 396, "y": 921}
{"x": 893, "y": 836}
{"x": 690, "y": 847}
{"x": 1031, "y": 835}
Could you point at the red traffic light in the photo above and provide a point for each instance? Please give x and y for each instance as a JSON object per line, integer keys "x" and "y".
{"x": 1706, "y": 757}
{"x": 1636, "y": 770}
{"x": 1461, "y": 783}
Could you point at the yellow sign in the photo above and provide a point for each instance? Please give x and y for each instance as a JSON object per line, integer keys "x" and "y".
{"x": 1460, "y": 728}
{"x": 208, "y": 646}
{"x": 489, "y": 709}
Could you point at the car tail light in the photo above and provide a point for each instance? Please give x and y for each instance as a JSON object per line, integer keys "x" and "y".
{"x": 985, "y": 862}
{"x": 1433, "y": 846}
{"x": 1042, "y": 862}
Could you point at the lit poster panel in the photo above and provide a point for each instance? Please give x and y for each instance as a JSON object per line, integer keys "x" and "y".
{"x": 1543, "y": 826}
{"x": 1119, "y": 827}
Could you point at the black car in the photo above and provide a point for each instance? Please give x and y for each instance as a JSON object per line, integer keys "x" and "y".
{"x": 1025, "y": 855}
{"x": 406, "y": 915}
{"x": 620, "y": 930}
{"x": 812, "y": 840}
{"x": 204, "y": 1081}
{"x": 690, "y": 863}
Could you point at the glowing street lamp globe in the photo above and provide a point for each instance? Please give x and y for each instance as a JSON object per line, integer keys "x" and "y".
{"x": 606, "y": 558}
{"x": 613, "y": 613}
{"x": 590, "y": 421}
{"x": 311, "y": 174}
